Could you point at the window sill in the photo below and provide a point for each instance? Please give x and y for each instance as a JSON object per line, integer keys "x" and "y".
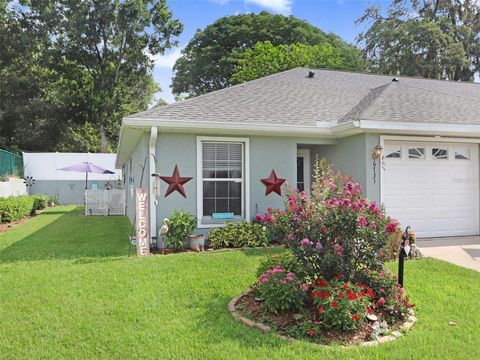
{"x": 209, "y": 223}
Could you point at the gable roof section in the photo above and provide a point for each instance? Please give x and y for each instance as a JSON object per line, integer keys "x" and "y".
{"x": 290, "y": 98}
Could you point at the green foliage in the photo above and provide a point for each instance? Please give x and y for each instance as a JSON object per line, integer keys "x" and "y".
{"x": 280, "y": 291}
{"x": 40, "y": 201}
{"x": 334, "y": 230}
{"x": 180, "y": 225}
{"x": 285, "y": 260}
{"x": 208, "y": 60}
{"x": 265, "y": 59}
{"x": 427, "y": 39}
{"x": 237, "y": 235}
{"x": 15, "y": 207}
{"x": 70, "y": 72}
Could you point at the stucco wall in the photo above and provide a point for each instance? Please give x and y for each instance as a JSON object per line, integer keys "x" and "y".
{"x": 353, "y": 156}
{"x": 67, "y": 192}
{"x": 350, "y": 155}
{"x": 12, "y": 187}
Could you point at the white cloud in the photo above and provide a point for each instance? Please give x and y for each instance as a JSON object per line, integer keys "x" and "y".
{"x": 168, "y": 60}
{"x": 278, "y": 6}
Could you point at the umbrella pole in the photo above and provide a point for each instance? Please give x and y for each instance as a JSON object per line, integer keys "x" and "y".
{"x": 86, "y": 180}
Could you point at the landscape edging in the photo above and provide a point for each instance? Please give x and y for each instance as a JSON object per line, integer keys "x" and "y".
{"x": 406, "y": 326}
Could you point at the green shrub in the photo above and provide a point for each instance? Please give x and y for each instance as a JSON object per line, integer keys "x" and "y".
{"x": 40, "y": 201}
{"x": 15, "y": 207}
{"x": 180, "y": 225}
{"x": 237, "y": 235}
{"x": 286, "y": 261}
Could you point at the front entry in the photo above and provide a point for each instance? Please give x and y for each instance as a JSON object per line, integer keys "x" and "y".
{"x": 303, "y": 170}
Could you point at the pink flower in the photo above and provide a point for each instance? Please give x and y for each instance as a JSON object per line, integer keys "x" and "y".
{"x": 291, "y": 236}
{"x": 338, "y": 249}
{"x": 362, "y": 222}
{"x": 283, "y": 282}
{"x": 260, "y": 217}
{"x": 318, "y": 246}
{"x": 373, "y": 225}
{"x": 381, "y": 301}
{"x": 294, "y": 218}
{"x": 306, "y": 242}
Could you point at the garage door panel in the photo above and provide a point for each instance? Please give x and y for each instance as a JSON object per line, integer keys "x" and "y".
{"x": 436, "y": 197}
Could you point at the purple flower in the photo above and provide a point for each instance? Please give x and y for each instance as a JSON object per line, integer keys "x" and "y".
{"x": 318, "y": 246}
{"x": 306, "y": 242}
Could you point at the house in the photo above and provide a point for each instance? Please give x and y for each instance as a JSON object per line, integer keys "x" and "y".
{"x": 67, "y": 187}
{"x": 425, "y": 134}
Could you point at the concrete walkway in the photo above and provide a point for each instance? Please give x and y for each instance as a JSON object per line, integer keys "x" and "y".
{"x": 462, "y": 251}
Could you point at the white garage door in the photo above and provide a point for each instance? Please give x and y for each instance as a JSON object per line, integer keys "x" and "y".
{"x": 433, "y": 187}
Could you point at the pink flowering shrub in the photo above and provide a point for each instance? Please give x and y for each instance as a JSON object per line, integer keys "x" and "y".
{"x": 280, "y": 291}
{"x": 335, "y": 230}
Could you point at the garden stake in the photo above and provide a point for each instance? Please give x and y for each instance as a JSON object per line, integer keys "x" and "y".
{"x": 401, "y": 257}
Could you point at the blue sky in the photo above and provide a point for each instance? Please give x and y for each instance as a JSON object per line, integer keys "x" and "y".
{"x": 336, "y": 16}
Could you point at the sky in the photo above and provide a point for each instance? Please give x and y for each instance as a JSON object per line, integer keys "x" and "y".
{"x": 337, "y": 16}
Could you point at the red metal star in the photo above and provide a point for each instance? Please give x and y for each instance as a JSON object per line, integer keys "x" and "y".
{"x": 273, "y": 184}
{"x": 175, "y": 182}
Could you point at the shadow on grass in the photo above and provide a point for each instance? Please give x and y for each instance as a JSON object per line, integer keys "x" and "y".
{"x": 65, "y": 234}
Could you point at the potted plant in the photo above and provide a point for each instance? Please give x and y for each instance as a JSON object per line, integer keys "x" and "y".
{"x": 180, "y": 225}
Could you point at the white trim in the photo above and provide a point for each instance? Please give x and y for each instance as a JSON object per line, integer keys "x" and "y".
{"x": 246, "y": 176}
{"x": 305, "y": 154}
{"x": 151, "y": 193}
{"x": 413, "y": 127}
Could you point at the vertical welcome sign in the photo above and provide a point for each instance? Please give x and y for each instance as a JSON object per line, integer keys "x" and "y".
{"x": 141, "y": 210}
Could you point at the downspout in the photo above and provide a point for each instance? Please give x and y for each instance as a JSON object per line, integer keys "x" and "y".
{"x": 151, "y": 179}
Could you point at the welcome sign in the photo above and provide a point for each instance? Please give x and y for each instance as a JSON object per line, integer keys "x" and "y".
{"x": 141, "y": 210}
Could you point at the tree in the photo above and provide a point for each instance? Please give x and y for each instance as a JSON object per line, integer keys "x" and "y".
{"x": 265, "y": 59}
{"x": 100, "y": 54}
{"x": 208, "y": 60}
{"x": 431, "y": 38}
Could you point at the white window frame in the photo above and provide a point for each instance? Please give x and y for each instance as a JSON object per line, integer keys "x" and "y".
{"x": 245, "y": 181}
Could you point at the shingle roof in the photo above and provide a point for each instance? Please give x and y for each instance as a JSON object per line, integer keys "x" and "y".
{"x": 291, "y": 98}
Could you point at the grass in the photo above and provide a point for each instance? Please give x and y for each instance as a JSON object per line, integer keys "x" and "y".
{"x": 68, "y": 290}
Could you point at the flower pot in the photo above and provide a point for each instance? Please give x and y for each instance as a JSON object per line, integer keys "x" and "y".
{"x": 196, "y": 242}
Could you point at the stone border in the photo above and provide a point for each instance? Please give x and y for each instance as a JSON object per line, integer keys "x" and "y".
{"x": 406, "y": 326}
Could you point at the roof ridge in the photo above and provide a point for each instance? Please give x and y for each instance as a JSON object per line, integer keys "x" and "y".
{"x": 355, "y": 112}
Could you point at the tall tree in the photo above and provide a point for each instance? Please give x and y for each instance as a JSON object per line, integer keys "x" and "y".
{"x": 429, "y": 38}
{"x": 265, "y": 59}
{"x": 101, "y": 52}
{"x": 208, "y": 60}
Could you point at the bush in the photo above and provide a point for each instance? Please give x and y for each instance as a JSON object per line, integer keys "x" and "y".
{"x": 180, "y": 225}
{"x": 335, "y": 230}
{"x": 280, "y": 291}
{"x": 15, "y": 207}
{"x": 40, "y": 201}
{"x": 237, "y": 235}
{"x": 286, "y": 261}
{"x": 388, "y": 295}
{"x": 341, "y": 305}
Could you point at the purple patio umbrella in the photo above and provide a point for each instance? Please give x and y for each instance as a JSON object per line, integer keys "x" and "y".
{"x": 87, "y": 167}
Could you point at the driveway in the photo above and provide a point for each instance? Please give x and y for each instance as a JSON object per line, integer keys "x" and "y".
{"x": 462, "y": 251}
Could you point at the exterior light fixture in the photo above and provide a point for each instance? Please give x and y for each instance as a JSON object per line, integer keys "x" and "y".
{"x": 376, "y": 156}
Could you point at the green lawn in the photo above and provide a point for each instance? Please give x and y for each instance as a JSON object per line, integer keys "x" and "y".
{"x": 68, "y": 290}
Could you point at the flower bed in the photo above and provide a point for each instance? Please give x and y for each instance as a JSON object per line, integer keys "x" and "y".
{"x": 332, "y": 285}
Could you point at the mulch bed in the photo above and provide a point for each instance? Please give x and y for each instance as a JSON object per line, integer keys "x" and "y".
{"x": 8, "y": 226}
{"x": 282, "y": 323}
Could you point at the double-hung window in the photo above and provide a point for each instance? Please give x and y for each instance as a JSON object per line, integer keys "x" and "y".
{"x": 222, "y": 180}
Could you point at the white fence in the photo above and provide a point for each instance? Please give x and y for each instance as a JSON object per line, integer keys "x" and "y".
{"x": 104, "y": 202}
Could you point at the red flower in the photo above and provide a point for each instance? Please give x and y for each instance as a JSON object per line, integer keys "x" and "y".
{"x": 337, "y": 277}
{"x": 322, "y": 283}
{"x": 346, "y": 286}
{"x": 352, "y": 296}
{"x": 311, "y": 332}
{"x": 334, "y": 304}
{"x": 321, "y": 309}
{"x": 363, "y": 294}
{"x": 370, "y": 293}
{"x": 369, "y": 310}
{"x": 355, "y": 318}
{"x": 340, "y": 295}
